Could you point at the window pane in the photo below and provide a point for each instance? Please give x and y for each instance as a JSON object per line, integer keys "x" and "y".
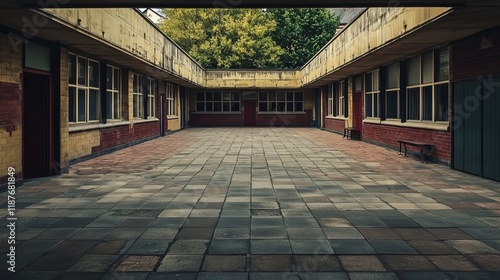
{"x": 427, "y": 67}
{"x": 72, "y": 69}
{"x": 289, "y": 96}
{"x": 200, "y": 106}
{"x": 299, "y": 107}
{"x": 218, "y": 96}
{"x": 116, "y": 103}
{"x": 392, "y": 104}
{"x": 226, "y": 96}
{"x": 272, "y": 106}
{"x": 375, "y": 105}
{"x": 263, "y": 106}
{"x": 375, "y": 80}
{"x": 280, "y": 107}
{"x": 393, "y": 76}
{"x": 217, "y": 107}
{"x": 262, "y": 96}
{"x": 209, "y": 107}
{"x": 443, "y": 65}
{"x": 368, "y": 81}
{"x": 94, "y": 73}
{"x": 442, "y": 102}
{"x": 82, "y": 104}
{"x": 209, "y": 96}
{"x": 272, "y": 96}
{"x": 200, "y": 96}
{"x": 357, "y": 84}
{"x": 280, "y": 96}
{"x": 235, "y": 96}
{"x": 72, "y": 104}
{"x": 235, "y": 106}
{"x": 93, "y": 105}
{"x": 137, "y": 83}
{"x": 289, "y": 106}
{"x": 368, "y": 108}
{"x": 109, "y": 105}
{"x": 413, "y": 68}
{"x": 82, "y": 71}
{"x": 136, "y": 104}
{"x": 225, "y": 106}
{"x": 413, "y": 103}
{"x": 427, "y": 103}
{"x": 109, "y": 78}
{"x": 117, "y": 77}
{"x": 299, "y": 96}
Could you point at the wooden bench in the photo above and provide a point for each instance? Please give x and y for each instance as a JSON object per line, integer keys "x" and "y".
{"x": 349, "y": 132}
{"x": 425, "y": 148}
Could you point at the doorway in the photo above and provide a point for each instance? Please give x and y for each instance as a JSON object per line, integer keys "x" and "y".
{"x": 250, "y": 112}
{"x": 37, "y": 125}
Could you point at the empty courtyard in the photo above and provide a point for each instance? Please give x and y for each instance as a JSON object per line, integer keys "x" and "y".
{"x": 256, "y": 203}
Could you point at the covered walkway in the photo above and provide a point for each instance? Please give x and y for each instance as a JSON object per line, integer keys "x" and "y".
{"x": 256, "y": 203}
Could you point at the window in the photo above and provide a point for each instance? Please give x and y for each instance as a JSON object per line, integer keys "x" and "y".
{"x": 392, "y": 91}
{"x": 281, "y": 101}
{"x": 151, "y": 98}
{"x": 372, "y": 94}
{"x": 331, "y": 102}
{"x": 217, "y": 101}
{"x": 336, "y": 99}
{"x": 171, "y": 97}
{"x": 84, "y": 95}
{"x": 427, "y": 92}
{"x": 137, "y": 93}
{"x": 340, "y": 97}
{"x": 113, "y": 93}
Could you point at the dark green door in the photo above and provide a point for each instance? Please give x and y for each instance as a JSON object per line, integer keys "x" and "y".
{"x": 491, "y": 128}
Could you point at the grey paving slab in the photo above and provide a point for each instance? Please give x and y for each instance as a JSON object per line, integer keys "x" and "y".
{"x": 257, "y": 203}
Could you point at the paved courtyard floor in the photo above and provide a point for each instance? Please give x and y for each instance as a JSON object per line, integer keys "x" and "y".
{"x": 259, "y": 204}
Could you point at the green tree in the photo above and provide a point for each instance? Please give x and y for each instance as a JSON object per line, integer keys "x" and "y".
{"x": 302, "y": 33}
{"x": 224, "y": 38}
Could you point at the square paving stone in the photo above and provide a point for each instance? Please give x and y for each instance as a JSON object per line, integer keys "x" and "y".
{"x": 343, "y": 233}
{"x": 53, "y": 263}
{"x": 224, "y": 263}
{"x": 267, "y": 222}
{"x": 323, "y": 276}
{"x": 36, "y": 247}
{"x": 471, "y": 247}
{"x": 301, "y": 222}
{"x": 135, "y": 222}
{"x": 271, "y": 246}
{"x": 488, "y": 262}
{"x": 305, "y": 233}
{"x": 110, "y": 247}
{"x": 94, "y": 263}
{"x": 466, "y": 275}
{"x": 232, "y": 233}
{"x": 424, "y": 275}
{"x": 432, "y": 247}
{"x": 209, "y": 205}
{"x": 229, "y": 247}
{"x": 316, "y": 263}
{"x": 200, "y": 222}
{"x": 70, "y": 222}
{"x": 374, "y": 276}
{"x": 450, "y": 234}
{"x": 195, "y": 233}
{"x": 271, "y": 263}
{"x": 124, "y": 233}
{"x": 148, "y": 247}
{"x": 138, "y": 263}
{"x": 188, "y": 247}
{"x": 392, "y": 247}
{"x": 159, "y": 233}
{"x": 408, "y": 263}
{"x": 334, "y": 222}
{"x": 361, "y": 263}
{"x": 452, "y": 263}
{"x": 73, "y": 247}
{"x": 352, "y": 247}
{"x": 274, "y": 276}
{"x": 311, "y": 247}
{"x": 91, "y": 233}
{"x": 269, "y": 233}
{"x": 167, "y": 223}
{"x": 234, "y": 223}
{"x": 222, "y": 276}
{"x": 57, "y": 233}
{"x": 483, "y": 233}
{"x": 187, "y": 263}
{"x": 379, "y": 233}
{"x": 414, "y": 234}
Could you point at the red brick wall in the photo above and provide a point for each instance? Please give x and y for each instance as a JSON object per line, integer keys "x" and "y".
{"x": 216, "y": 119}
{"x": 10, "y": 104}
{"x": 388, "y": 135}
{"x": 335, "y": 125}
{"x": 472, "y": 57}
{"x": 285, "y": 119}
{"x": 119, "y": 135}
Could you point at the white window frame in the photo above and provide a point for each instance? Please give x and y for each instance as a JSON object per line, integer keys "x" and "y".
{"x": 286, "y": 100}
{"x": 227, "y": 98}
{"x": 433, "y": 85}
{"x": 152, "y": 92}
{"x": 395, "y": 90}
{"x": 87, "y": 88}
{"x": 114, "y": 93}
{"x": 331, "y": 99}
{"x": 374, "y": 92}
{"x": 137, "y": 96}
{"x": 171, "y": 91}
{"x": 340, "y": 96}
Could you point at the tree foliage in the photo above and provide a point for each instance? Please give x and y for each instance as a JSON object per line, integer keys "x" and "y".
{"x": 224, "y": 38}
{"x": 301, "y": 33}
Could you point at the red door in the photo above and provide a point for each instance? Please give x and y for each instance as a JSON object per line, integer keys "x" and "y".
{"x": 250, "y": 112}
{"x": 358, "y": 112}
